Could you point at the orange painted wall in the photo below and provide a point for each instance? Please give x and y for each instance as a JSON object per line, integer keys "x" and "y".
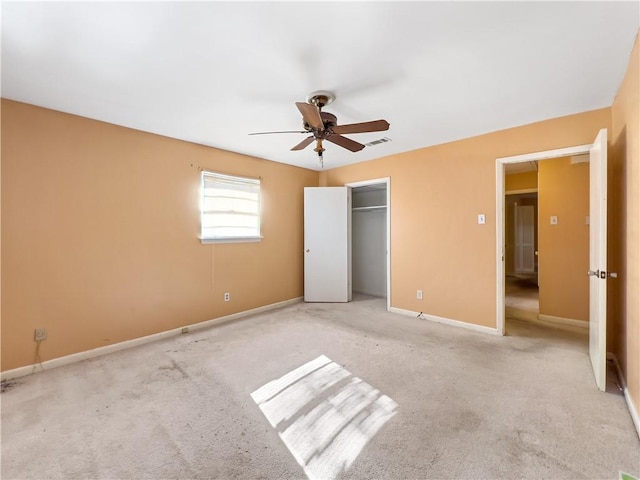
{"x": 520, "y": 181}
{"x": 436, "y": 194}
{"x": 100, "y": 229}
{"x": 563, "y": 249}
{"x": 624, "y": 228}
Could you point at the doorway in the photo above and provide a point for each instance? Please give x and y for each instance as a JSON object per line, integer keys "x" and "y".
{"x": 522, "y": 294}
{"x": 596, "y": 223}
{"x": 370, "y": 239}
{"x": 551, "y": 287}
{"x": 501, "y": 167}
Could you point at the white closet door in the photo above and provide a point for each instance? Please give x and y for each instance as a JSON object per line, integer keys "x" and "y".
{"x": 327, "y": 244}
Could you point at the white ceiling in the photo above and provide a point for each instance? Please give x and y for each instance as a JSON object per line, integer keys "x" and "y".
{"x": 212, "y": 72}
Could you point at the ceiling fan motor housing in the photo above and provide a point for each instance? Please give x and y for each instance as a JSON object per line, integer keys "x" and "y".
{"x": 328, "y": 119}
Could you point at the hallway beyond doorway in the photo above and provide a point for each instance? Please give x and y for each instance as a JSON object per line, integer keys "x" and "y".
{"x": 522, "y": 308}
{"x": 522, "y": 297}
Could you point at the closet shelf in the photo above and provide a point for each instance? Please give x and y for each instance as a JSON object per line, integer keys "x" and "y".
{"x": 372, "y": 208}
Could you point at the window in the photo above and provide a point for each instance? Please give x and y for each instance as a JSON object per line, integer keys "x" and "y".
{"x": 230, "y": 209}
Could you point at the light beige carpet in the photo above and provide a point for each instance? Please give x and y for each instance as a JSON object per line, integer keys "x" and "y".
{"x": 325, "y": 391}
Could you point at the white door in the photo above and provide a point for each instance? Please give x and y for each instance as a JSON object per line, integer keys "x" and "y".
{"x": 525, "y": 239}
{"x": 598, "y": 258}
{"x": 327, "y": 244}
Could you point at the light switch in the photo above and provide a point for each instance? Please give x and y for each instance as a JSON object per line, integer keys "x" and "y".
{"x": 481, "y": 219}
{"x": 554, "y": 220}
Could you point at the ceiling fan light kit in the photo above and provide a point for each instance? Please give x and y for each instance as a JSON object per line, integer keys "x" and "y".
{"x": 324, "y": 125}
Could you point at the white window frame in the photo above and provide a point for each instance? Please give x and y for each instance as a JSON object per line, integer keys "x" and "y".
{"x": 208, "y": 176}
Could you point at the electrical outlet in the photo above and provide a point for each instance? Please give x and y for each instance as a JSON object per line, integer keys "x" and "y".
{"x": 39, "y": 334}
{"x": 419, "y": 294}
{"x": 227, "y": 296}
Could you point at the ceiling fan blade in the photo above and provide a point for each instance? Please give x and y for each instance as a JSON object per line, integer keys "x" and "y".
{"x": 304, "y": 143}
{"x": 345, "y": 142}
{"x": 311, "y": 114}
{"x": 374, "y": 126}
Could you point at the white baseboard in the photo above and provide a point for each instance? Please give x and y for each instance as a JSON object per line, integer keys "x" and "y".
{"x": 96, "y": 352}
{"x": 563, "y": 321}
{"x": 445, "y": 321}
{"x": 632, "y": 408}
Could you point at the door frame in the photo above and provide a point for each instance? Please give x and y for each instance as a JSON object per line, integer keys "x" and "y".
{"x": 387, "y": 182}
{"x": 500, "y": 224}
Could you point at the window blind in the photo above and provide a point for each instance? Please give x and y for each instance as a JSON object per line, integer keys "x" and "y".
{"x": 230, "y": 207}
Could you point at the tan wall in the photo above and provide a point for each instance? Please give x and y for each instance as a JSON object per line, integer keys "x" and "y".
{"x": 563, "y": 251}
{"x": 624, "y": 227}
{"x": 520, "y": 181}
{"x": 100, "y": 230}
{"x": 436, "y": 194}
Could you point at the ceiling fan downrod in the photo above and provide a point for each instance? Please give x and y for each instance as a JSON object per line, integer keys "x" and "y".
{"x": 320, "y": 98}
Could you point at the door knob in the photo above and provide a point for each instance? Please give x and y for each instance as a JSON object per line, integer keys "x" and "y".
{"x": 307, "y": 250}
{"x": 602, "y": 274}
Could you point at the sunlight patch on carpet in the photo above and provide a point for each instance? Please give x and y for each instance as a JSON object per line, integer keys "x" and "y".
{"x": 324, "y": 415}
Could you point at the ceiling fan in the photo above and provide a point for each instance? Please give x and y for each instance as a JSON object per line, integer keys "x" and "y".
{"x": 324, "y": 125}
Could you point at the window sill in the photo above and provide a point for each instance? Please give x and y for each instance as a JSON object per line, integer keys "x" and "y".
{"x": 205, "y": 241}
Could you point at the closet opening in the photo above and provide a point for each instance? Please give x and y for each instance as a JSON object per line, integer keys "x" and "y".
{"x": 370, "y": 239}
